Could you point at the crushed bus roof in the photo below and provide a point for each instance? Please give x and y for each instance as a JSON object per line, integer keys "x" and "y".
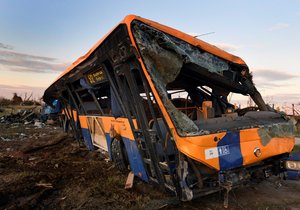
{"x": 174, "y": 32}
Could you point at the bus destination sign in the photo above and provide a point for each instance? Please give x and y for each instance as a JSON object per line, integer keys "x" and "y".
{"x": 96, "y": 76}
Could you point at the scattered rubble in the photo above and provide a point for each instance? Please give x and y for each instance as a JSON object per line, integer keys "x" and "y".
{"x": 38, "y": 124}
{"x": 25, "y": 124}
{"x": 22, "y": 116}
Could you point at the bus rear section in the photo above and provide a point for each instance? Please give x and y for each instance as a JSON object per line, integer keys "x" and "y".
{"x": 156, "y": 100}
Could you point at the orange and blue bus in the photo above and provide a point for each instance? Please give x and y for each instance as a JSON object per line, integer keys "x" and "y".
{"x": 156, "y": 99}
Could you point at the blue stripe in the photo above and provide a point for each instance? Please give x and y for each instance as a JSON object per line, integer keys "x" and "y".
{"x": 295, "y": 156}
{"x": 87, "y": 138}
{"x": 229, "y": 150}
{"x": 108, "y": 141}
{"x": 135, "y": 160}
{"x": 293, "y": 175}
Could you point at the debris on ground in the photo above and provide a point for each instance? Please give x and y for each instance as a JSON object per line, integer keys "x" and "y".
{"x": 22, "y": 116}
{"x": 44, "y": 168}
{"x": 54, "y": 171}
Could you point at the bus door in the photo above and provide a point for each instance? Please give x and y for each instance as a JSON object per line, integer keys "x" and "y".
{"x": 97, "y": 132}
{"x": 139, "y": 104}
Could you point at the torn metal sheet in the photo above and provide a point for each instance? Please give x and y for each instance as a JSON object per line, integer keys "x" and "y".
{"x": 287, "y": 129}
{"x": 164, "y": 57}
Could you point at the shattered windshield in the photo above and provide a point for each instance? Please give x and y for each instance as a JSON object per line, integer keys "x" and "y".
{"x": 203, "y": 79}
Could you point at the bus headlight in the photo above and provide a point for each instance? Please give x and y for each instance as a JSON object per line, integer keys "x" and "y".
{"x": 257, "y": 152}
{"x": 292, "y": 165}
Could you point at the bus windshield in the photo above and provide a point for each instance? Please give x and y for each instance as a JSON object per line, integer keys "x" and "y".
{"x": 177, "y": 66}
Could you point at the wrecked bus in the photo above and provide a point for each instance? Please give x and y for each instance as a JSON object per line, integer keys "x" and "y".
{"x": 156, "y": 100}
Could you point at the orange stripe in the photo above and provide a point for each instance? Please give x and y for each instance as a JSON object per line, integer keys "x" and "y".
{"x": 83, "y": 121}
{"x": 195, "y": 146}
{"x": 75, "y": 115}
{"x": 120, "y": 125}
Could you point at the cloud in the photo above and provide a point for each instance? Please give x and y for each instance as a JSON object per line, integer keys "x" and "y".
{"x": 272, "y": 80}
{"x": 22, "y": 62}
{"x": 25, "y": 87}
{"x": 273, "y": 75}
{"x": 227, "y": 47}
{"x": 293, "y": 96}
{"x": 287, "y": 99}
{"x": 267, "y": 85}
{"x": 279, "y": 26}
{"x": 7, "y": 91}
{"x": 6, "y": 46}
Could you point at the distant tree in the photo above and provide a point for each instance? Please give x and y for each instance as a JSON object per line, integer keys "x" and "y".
{"x": 16, "y": 99}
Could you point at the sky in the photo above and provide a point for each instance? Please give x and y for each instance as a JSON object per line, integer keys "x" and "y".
{"x": 39, "y": 39}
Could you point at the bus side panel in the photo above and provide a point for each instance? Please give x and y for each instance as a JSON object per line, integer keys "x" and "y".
{"x": 86, "y": 132}
{"x": 135, "y": 160}
{"x": 87, "y": 138}
{"x": 108, "y": 140}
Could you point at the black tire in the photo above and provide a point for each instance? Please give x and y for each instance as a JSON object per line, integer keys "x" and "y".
{"x": 119, "y": 155}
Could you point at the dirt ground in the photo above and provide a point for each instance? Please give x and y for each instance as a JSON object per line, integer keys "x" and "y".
{"x": 44, "y": 168}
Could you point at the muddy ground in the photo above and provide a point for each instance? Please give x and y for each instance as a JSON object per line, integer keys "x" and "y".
{"x": 43, "y": 168}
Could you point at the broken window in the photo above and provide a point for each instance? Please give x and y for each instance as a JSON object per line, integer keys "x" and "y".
{"x": 194, "y": 84}
{"x": 93, "y": 93}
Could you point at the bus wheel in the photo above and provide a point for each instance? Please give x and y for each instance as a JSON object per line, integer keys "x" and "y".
{"x": 119, "y": 155}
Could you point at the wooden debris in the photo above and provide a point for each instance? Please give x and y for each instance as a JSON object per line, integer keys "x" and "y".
{"x": 46, "y": 185}
{"x": 129, "y": 181}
